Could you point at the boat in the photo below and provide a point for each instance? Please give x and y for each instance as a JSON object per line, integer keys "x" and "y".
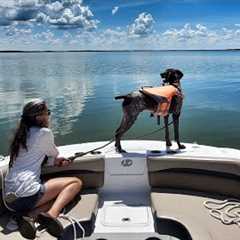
{"x": 147, "y": 193}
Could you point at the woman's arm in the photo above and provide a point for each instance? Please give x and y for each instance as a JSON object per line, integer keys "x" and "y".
{"x": 49, "y": 148}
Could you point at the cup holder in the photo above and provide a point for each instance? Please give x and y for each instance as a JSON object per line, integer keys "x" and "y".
{"x": 126, "y": 219}
{"x": 156, "y": 151}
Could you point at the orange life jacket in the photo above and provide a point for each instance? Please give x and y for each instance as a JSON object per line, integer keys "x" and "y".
{"x": 165, "y": 91}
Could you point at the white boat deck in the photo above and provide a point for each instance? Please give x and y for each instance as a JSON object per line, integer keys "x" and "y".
{"x": 125, "y": 206}
{"x": 124, "y": 211}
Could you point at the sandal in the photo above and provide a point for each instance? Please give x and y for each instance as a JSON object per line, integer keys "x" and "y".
{"x": 52, "y": 225}
{"x": 26, "y": 227}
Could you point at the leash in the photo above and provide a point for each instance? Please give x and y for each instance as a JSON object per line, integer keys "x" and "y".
{"x": 80, "y": 154}
{"x": 74, "y": 222}
{"x": 150, "y": 133}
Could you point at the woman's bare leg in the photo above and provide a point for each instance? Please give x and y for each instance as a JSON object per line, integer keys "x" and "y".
{"x": 43, "y": 208}
{"x": 63, "y": 190}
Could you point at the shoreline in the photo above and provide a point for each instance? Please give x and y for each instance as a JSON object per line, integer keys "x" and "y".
{"x": 137, "y": 50}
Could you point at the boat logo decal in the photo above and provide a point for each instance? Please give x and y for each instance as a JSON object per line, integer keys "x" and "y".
{"x": 126, "y": 162}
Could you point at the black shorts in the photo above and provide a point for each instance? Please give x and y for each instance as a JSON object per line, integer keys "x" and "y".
{"x": 23, "y": 205}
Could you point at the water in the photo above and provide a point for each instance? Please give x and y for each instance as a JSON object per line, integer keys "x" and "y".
{"x": 80, "y": 90}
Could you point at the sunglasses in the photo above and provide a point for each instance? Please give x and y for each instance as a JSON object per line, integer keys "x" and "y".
{"x": 46, "y": 113}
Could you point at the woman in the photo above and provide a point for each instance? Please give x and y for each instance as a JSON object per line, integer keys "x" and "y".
{"x": 33, "y": 141}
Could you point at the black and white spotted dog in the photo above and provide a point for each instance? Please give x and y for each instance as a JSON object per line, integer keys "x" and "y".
{"x": 137, "y": 101}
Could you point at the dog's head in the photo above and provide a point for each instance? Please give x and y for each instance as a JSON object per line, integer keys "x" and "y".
{"x": 171, "y": 76}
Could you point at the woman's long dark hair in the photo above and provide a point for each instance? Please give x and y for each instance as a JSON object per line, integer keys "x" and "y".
{"x": 28, "y": 119}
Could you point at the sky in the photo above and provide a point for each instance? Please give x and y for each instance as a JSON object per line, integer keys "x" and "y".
{"x": 119, "y": 24}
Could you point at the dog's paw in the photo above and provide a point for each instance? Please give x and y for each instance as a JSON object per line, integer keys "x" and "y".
{"x": 170, "y": 151}
{"x": 181, "y": 146}
{"x": 120, "y": 150}
{"x": 168, "y": 143}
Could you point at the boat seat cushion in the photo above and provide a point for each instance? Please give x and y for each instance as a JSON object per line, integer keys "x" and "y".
{"x": 221, "y": 165}
{"x": 90, "y": 169}
{"x": 185, "y": 210}
{"x": 195, "y": 175}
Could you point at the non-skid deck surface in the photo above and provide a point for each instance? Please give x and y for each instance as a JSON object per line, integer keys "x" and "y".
{"x": 188, "y": 209}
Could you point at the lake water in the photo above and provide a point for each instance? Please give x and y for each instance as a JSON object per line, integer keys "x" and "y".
{"x": 80, "y": 88}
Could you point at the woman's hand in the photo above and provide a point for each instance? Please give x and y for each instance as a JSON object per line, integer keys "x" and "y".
{"x": 61, "y": 161}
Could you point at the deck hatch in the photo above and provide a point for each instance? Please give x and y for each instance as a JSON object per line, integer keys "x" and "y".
{"x": 124, "y": 216}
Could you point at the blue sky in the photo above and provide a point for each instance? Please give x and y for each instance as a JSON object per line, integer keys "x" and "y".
{"x": 119, "y": 24}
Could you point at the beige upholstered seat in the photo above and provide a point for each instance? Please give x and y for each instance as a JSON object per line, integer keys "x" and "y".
{"x": 179, "y": 189}
{"x": 186, "y": 210}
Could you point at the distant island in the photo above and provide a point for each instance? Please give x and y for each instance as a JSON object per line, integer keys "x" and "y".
{"x": 136, "y": 50}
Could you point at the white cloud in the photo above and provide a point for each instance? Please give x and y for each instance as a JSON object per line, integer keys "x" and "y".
{"x": 142, "y": 25}
{"x": 18, "y": 31}
{"x": 8, "y": 3}
{"x": 71, "y": 14}
{"x": 62, "y": 13}
{"x": 19, "y": 10}
{"x": 115, "y": 10}
{"x": 4, "y": 21}
{"x": 199, "y": 36}
{"x": 54, "y": 7}
{"x": 187, "y": 32}
{"x": 27, "y": 3}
